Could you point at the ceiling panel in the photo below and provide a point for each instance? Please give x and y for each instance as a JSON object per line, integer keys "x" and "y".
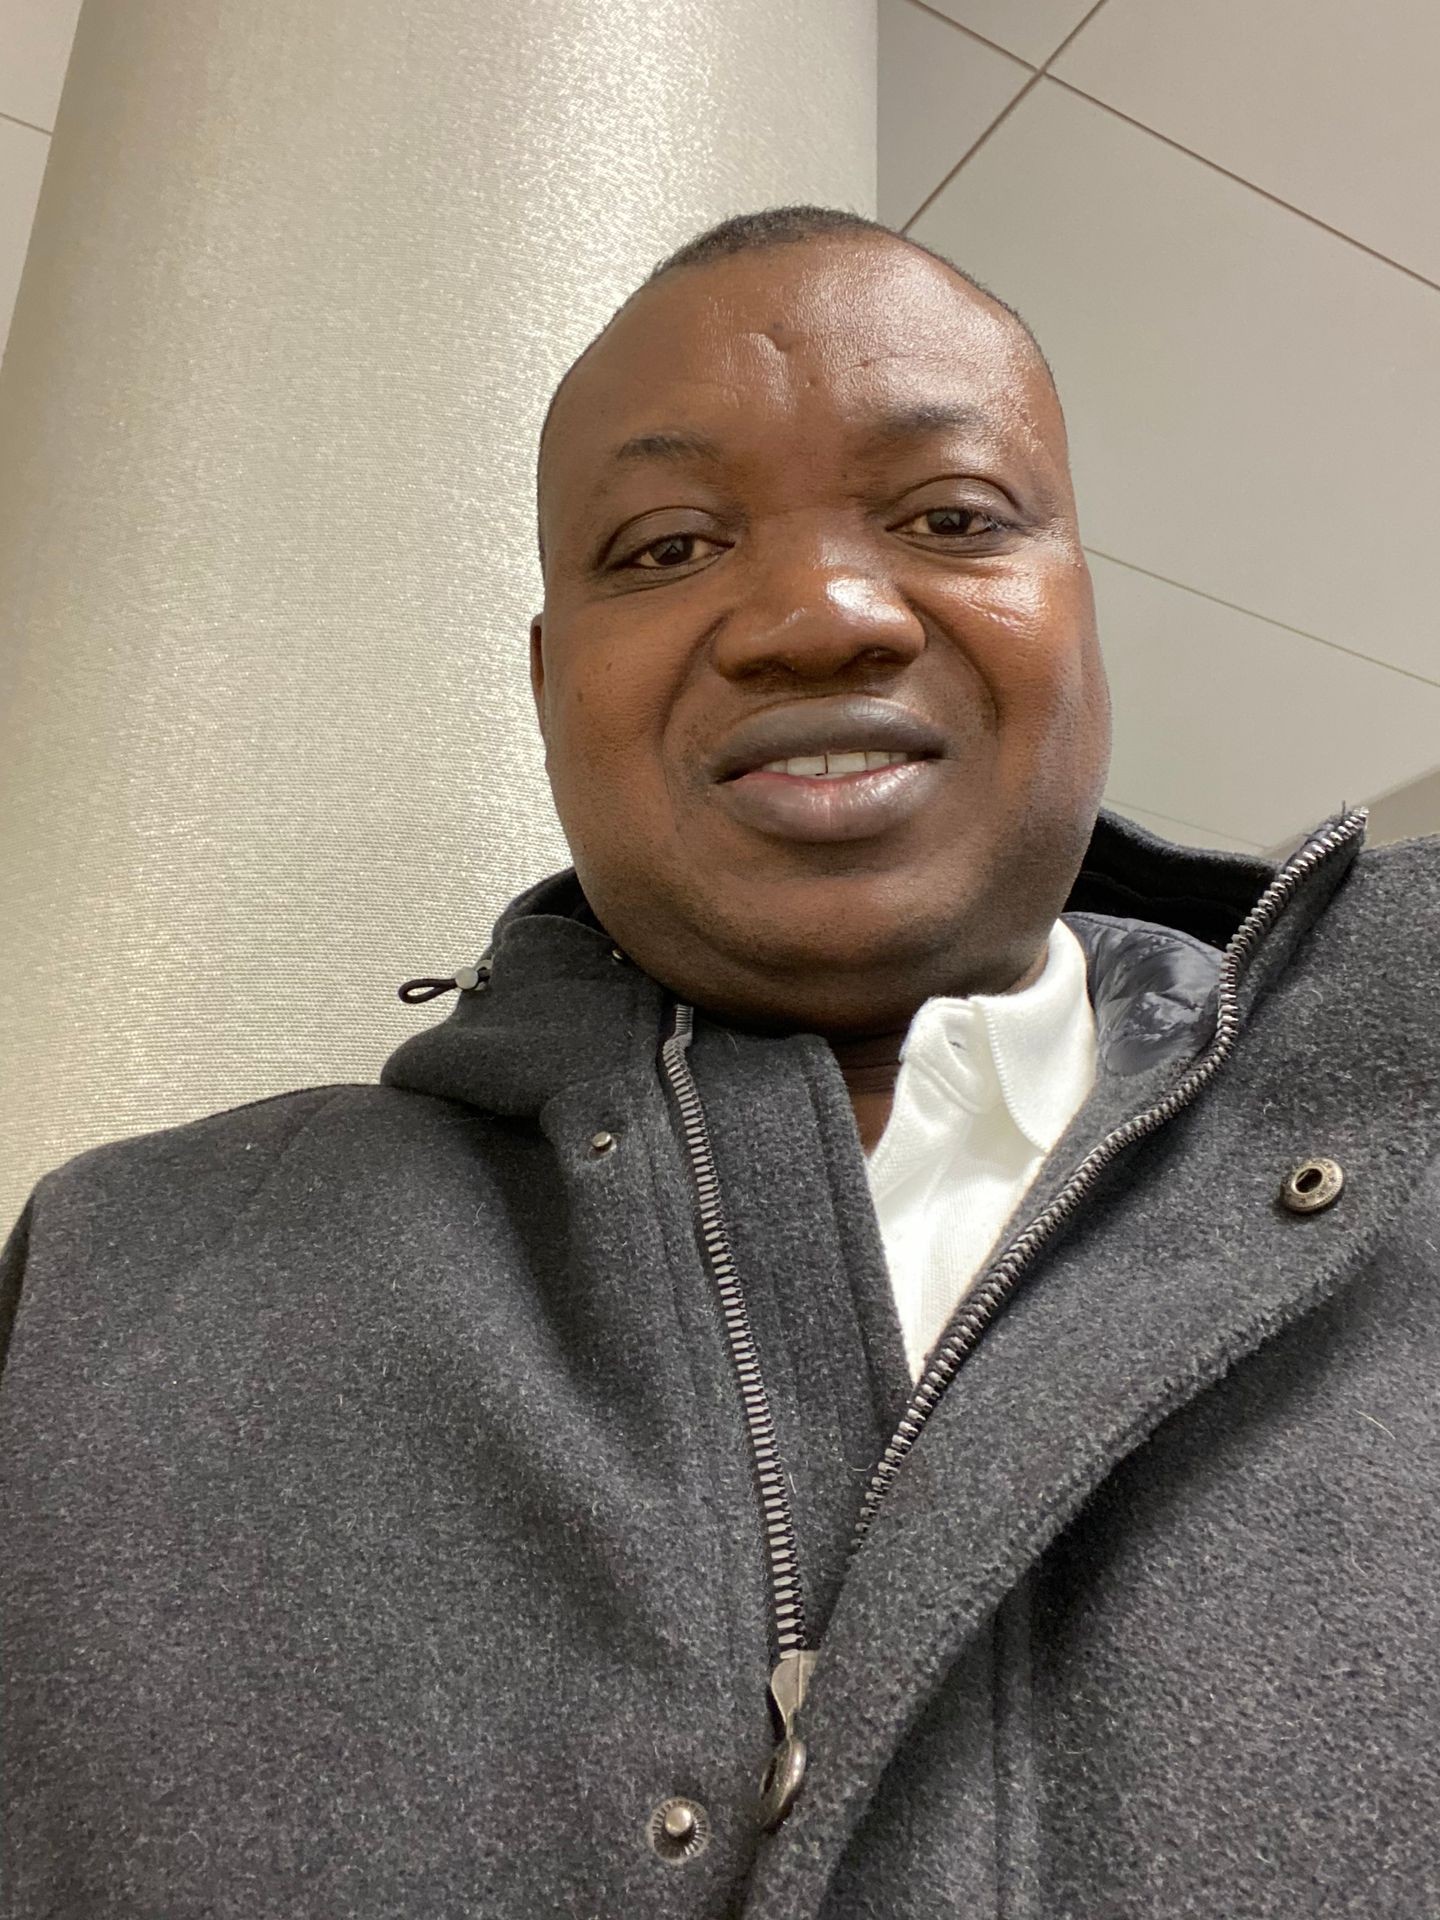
{"x": 1031, "y": 28}
{"x": 1330, "y": 105}
{"x": 22, "y": 165}
{"x": 35, "y": 38}
{"x": 938, "y": 92}
{"x": 1242, "y": 726}
{"x": 1254, "y": 404}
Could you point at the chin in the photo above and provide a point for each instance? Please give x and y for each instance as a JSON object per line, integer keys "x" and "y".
{"x": 857, "y": 921}
{"x": 864, "y": 969}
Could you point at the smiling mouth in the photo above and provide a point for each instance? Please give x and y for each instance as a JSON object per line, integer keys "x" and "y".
{"x": 852, "y": 795}
{"x": 832, "y": 766}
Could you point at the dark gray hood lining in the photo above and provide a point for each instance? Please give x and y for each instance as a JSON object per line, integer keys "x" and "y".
{"x": 1153, "y": 989}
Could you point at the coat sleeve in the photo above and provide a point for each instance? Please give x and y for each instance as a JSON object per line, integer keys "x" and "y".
{"x": 12, "y": 1273}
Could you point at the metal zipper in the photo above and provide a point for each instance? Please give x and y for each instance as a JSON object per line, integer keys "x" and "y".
{"x": 790, "y": 1677}
{"x": 790, "y": 1674}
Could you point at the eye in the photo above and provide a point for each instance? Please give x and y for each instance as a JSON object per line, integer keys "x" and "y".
{"x": 666, "y": 545}
{"x": 974, "y": 521}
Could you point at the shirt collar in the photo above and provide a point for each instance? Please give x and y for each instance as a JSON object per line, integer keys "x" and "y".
{"x": 1037, "y": 1045}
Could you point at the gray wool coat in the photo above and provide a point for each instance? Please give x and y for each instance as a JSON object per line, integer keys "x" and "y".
{"x": 381, "y": 1527}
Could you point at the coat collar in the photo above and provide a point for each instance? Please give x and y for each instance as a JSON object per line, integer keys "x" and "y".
{"x": 556, "y": 1003}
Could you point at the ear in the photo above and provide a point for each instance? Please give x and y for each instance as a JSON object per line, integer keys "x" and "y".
{"x": 537, "y": 670}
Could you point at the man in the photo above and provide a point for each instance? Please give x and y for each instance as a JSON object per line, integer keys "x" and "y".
{"x": 881, "y": 1362}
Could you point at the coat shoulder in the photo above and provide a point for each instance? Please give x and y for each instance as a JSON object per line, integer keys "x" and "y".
{"x": 1390, "y": 904}
{"x": 186, "y": 1181}
{"x": 202, "y": 1170}
{"x": 261, "y": 1126}
{"x": 1419, "y": 856}
{"x": 1347, "y": 934}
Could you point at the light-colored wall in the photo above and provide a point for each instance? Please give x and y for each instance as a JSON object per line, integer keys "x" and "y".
{"x": 1220, "y": 218}
{"x": 1408, "y": 811}
{"x": 301, "y": 282}
{"x": 35, "y": 37}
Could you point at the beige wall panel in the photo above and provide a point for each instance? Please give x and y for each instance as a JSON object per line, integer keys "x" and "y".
{"x": 1407, "y": 812}
{"x": 939, "y": 90}
{"x": 1254, "y": 404}
{"x": 1329, "y": 106}
{"x": 22, "y": 168}
{"x": 1242, "y": 727}
{"x": 35, "y": 38}
{"x": 1033, "y": 29}
{"x": 301, "y": 282}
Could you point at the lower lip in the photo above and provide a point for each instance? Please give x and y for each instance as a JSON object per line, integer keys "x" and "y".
{"x": 847, "y": 806}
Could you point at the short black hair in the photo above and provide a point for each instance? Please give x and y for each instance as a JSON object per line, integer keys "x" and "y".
{"x": 746, "y": 233}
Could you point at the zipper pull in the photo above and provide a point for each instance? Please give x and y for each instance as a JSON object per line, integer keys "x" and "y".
{"x": 780, "y": 1788}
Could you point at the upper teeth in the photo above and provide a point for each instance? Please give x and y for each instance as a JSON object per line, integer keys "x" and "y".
{"x": 823, "y": 766}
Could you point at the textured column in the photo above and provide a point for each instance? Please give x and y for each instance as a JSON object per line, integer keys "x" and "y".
{"x": 301, "y": 282}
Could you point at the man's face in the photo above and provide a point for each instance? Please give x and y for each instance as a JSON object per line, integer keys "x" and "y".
{"x": 879, "y": 555}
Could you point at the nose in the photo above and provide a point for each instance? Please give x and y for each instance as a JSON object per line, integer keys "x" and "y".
{"x": 818, "y": 619}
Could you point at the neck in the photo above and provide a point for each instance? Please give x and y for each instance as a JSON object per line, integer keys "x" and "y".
{"x": 870, "y": 1064}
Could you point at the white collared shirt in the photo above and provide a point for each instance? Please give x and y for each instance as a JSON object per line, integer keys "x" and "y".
{"x": 987, "y": 1085}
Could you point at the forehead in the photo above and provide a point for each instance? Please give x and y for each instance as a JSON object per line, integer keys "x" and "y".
{"x": 814, "y": 335}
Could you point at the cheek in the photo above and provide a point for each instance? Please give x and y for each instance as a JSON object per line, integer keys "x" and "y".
{"x": 1034, "y": 644}
{"x": 605, "y": 708}
{"x": 1032, "y": 640}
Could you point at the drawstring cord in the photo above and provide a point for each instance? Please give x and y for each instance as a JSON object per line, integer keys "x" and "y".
{"x": 467, "y": 979}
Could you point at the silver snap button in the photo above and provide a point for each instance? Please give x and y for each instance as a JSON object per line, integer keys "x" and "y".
{"x": 601, "y": 1142}
{"x": 616, "y": 954}
{"x": 1313, "y": 1184}
{"x": 678, "y": 1829}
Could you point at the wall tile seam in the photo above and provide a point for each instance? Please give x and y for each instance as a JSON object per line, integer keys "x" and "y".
{"x": 15, "y": 121}
{"x": 1228, "y": 173}
{"x": 970, "y": 34}
{"x": 1036, "y": 75}
{"x": 1267, "y": 619}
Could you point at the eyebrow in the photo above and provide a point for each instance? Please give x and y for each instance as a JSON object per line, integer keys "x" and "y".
{"x": 674, "y": 444}
{"x": 892, "y": 424}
